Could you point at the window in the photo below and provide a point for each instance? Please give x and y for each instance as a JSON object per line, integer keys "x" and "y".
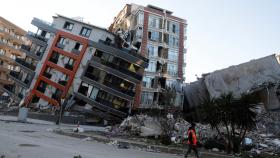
{"x": 147, "y": 82}
{"x": 2, "y": 52}
{"x": 71, "y": 61}
{"x": 85, "y": 31}
{"x": 78, "y": 46}
{"x": 173, "y": 55}
{"x": 173, "y": 41}
{"x": 68, "y": 26}
{"x": 62, "y": 41}
{"x": 152, "y": 66}
{"x": 147, "y": 98}
{"x": 172, "y": 69}
{"x": 155, "y": 36}
{"x": 152, "y": 51}
{"x": 155, "y": 22}
{"x": 139, "y": 18}
{"x": 94, "y": 93}
{"x": 173, "y": 27}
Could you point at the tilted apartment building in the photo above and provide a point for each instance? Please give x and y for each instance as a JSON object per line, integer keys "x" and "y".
{"x": 11, "y": 38}
{"x": 160, "y": 36}
{"x": 83, "y": 63}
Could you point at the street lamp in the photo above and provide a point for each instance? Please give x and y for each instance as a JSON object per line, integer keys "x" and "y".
{"x": 61, "y": 104}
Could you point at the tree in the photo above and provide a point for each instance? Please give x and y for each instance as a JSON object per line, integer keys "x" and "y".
{"x": 237, "y": 115}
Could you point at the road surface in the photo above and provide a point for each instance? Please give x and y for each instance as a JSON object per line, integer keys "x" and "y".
{"x": 23, "y": 140}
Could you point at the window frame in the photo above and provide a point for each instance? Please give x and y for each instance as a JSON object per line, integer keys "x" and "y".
{"x": 70, "y": 24}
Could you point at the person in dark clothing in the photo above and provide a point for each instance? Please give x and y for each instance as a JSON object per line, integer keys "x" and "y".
{"x": 192, "y": 141}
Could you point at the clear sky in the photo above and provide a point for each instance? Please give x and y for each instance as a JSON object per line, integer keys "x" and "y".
{"x": 220, "y": 32}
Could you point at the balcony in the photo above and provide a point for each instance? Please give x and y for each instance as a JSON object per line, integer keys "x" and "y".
{"x": 32, "y": 53}
{"x": 109, "y": 87}
{"x": 14, "y": 74}
{"x": 10, "y": 88}
{"x": 119, "y": 68}
{"x": 75, "y": 51}
{"x": 18, "y": 78}
{"x": 43, "y": 25}
{"x": 25, "y": 64}
{"x": 41, "y": 89}
{"x": 115, "y": 87}
{"x": 132, "y": 52}
{"x": 53, "y": 60}
{"x": 47, "y": 75}
{"x": 107, "y": 106}
{"x": 59, "y": 45}
{"x": 20, "y": 95}
{"x": 36, "y": 36}
{"x": 68, "y": 66}
{"x": 63, "y": 83}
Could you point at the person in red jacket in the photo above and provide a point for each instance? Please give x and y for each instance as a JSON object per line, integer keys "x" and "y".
{"x": 192, "y": 141}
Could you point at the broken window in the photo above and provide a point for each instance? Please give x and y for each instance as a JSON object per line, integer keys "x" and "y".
{"x": 85, "y": 32}
{"x": 68, "y": 26}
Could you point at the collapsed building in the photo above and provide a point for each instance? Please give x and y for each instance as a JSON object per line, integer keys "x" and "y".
{"x": 261, "y": 76}
{"x": 161, "y": 36}
{"x": 84, "y": 64}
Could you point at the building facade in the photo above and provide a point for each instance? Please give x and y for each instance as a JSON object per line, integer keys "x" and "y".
{"x": 11, "y": 38}
{"x": 84, "y": 64}
{"x": 161, "y": 37}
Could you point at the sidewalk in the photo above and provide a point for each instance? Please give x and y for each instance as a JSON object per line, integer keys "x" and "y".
{"x": 138, "y": 145}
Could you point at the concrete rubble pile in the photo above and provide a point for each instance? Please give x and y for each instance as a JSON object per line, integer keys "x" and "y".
{"x": 266, "y": 137}
{"x": 144, "y": 126}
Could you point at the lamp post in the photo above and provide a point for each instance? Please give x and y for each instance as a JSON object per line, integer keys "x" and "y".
{"x": 61, "y": 103}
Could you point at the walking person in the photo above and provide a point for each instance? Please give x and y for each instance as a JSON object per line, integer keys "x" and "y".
{"x": 192, "y": 141}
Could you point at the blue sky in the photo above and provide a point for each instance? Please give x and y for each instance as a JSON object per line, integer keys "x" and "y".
{"x": 220, "y": 32}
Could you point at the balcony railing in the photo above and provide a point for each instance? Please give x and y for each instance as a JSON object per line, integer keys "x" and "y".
{"x": 119, "y": 68}
{"x": 53, "y": 60}
{"x": 68, "y": 66}
{"x": 41, "y": 89}
{"x": 116, "y": 87}
{"x": 39, "y": 37}
{"x": 28, "y": 49}
{"x": 110, "y": 104}
{"x": 14, "y": 74}
{"x": 10, "y": 88}
{"x": 24, "y": 63}
{"x": 63, "y": 83}
{"x": 20, "y": 95}
{"x": 48, "y": 75}
{"x": 132, "y": 52}
{"x": 109, "y": 84}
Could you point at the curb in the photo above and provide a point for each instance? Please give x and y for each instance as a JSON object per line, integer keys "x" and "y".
{"x": 150, "y": 148}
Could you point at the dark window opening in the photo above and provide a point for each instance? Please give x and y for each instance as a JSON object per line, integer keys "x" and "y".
{"x": 68, "y": 26}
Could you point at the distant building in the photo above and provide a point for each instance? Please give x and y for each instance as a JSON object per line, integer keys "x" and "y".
{"x": 11, "y": 39}
{"x": 83, "y": 63}
{"x": 160, "y": 36}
